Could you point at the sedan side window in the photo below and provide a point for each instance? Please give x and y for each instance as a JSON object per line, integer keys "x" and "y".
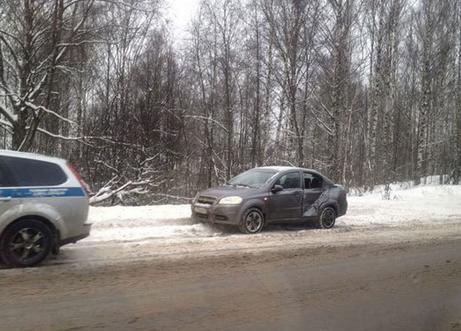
{"x": 289, "y": 181}
{"x": 312, "y": 181}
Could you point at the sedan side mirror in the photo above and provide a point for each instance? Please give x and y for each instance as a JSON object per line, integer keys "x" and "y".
{"x": 277, "y": 188}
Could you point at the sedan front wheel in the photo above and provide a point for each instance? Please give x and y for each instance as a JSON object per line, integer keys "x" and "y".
{"x": 252, "y": 221}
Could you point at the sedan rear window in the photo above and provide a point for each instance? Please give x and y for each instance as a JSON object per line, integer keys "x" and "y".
{"x": 312, "y": 181}
{"x": 27, "y": 172}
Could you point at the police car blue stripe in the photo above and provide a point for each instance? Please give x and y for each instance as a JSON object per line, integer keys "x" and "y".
{"x": 42, "y": 192}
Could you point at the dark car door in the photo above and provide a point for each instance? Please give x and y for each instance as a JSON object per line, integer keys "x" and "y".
{"x": 313, "y": 189}
{"x": 287, "y": 204}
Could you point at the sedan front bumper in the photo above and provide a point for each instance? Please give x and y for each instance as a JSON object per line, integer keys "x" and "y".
{"x": 215, "y": 213}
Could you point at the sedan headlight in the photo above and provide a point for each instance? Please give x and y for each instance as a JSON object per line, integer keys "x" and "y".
{"x": 230, "y": 201}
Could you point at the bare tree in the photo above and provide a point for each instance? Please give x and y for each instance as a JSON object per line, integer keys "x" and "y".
{"x": 36, "y": 37}
{"x": 366, "y": 91}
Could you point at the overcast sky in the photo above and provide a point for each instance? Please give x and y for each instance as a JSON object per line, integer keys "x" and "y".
{"x": 181, "y": 12}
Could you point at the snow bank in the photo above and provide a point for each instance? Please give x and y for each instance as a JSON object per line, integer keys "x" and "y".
{"x": 423, "y": 204}
{"x": 429, "y": 180}
{"x": 117, "y": 216}
{"x": 137, "y": 223}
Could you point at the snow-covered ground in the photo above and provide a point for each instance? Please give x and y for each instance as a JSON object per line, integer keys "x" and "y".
{"x": 408, "y": 206}
{"x": 148, "y": 222}
{"x": 422, "y": 204}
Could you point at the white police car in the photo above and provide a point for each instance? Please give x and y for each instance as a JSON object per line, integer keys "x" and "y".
{"x": 43, "y": 205}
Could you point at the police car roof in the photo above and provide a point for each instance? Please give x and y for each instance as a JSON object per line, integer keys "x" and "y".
{"x": 34, "y": 156}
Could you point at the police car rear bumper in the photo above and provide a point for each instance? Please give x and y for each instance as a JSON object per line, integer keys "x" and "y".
{"x": 74, "y": 239}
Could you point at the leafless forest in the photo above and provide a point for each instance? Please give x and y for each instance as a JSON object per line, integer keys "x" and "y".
{"x": 366, "y": 91}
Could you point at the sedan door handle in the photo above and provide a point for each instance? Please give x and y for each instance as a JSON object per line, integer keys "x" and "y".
{"x": 5, "y": 199}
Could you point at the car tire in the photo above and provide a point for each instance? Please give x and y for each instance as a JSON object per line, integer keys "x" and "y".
{"x": 327, "y": 218}
{"x": 26, "y": 243}
{"x": 252, "y": 221}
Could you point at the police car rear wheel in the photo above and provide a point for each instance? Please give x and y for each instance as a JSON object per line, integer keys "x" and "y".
{"x": 26, "y": 243}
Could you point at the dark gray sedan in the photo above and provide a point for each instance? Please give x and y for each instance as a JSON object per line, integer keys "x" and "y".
{"x": 272, "y": 195}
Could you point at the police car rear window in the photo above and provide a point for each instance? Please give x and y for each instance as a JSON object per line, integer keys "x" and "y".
{"x": 27, "y": 172}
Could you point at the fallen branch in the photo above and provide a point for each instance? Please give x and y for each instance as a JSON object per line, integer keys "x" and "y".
{"x": 107, "y": 192}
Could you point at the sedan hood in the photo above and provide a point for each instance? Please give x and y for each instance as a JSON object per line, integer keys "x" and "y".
{"x": 229, "y": 190}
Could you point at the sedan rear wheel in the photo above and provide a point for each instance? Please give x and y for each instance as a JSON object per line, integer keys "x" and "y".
{"x": 327, "y": 218}
{"x": 252, "y": 221}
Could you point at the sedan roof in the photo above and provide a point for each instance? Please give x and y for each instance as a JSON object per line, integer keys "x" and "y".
{"x": 286, "y": 168}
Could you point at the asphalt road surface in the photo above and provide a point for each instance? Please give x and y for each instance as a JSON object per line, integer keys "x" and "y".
{"x": 414, "y": 285}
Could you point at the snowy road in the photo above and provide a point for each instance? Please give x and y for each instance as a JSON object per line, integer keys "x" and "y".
{"x": 410, "y": 285}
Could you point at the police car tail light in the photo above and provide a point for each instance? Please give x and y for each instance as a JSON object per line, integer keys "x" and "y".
{"x": 79, "y": 178}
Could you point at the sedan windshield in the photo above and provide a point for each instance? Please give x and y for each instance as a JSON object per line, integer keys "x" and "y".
{"x": 252, "y": 178}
